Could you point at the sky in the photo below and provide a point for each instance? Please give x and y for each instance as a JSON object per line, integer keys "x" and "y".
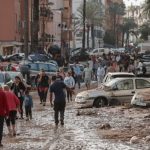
{"x": 76, "y": 3}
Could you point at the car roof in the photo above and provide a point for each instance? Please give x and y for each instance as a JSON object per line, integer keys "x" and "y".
{"x": 121, "y": 79}
{"x": 120, "y": 73}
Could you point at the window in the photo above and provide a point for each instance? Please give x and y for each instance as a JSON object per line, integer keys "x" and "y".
{"x": 7, "y": 78}
{"x": 53, "y": 68}
{"x": 1, "y": 78}
{"x": 33, "y": 67}
{"x": 141, "y": 84}
{"x": 95, "y": 51}
{"x": 125, "y": 85}
{"x": 43, "y": 66}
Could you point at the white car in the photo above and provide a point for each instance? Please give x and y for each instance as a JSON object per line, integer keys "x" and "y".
{"x": 141, "y": 98}
{"x": 99, "y": 51}
{"x": 112, "y": 75}
{"x": 117, "y": 91}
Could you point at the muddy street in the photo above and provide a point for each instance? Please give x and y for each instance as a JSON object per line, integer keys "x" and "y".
{"x": 83, "y": 129}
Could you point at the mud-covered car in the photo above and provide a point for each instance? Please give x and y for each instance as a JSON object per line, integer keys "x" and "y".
{"x": 112, "y": 75}
{"x": 117, "y": 91}
{"x": 141, "y": 98}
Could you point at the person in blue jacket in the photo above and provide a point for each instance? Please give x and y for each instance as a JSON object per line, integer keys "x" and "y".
{"x": 28, "y": 102}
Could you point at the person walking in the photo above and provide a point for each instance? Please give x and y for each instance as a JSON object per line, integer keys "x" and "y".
{"x": 77, "y": 71}
{"x": 70, "y": 83}
{"x": 4, "y": 111}
{"x": 28, "y": 102}
{"x": 18, "y": 89}
{"x": 13, "y": 106}
{"x": 43, "y": 85}
{"x": 100, "y": 74}
{"x": 58, "y": 88}
{"x": 87, "y": 73}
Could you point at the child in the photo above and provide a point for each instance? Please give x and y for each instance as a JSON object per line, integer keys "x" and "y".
{"x": 28, "y": 104}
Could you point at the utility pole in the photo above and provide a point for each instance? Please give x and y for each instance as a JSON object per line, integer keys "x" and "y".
{"x": 84, "y": 25}
{"x": 26, "y": 28}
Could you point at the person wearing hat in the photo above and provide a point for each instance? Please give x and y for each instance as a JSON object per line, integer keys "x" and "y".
{"x": 4, "y": 111}
{"x": 19, "y": 88}
{"x": 43, "y": 85}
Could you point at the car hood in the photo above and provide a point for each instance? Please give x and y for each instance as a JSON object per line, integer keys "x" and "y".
{"x": 91, "y": 93}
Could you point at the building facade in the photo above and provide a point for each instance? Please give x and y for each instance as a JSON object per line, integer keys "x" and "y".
{"x": 12, "y": 26}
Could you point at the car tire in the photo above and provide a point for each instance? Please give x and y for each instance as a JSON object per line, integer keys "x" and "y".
{"x": 100, "y": 102}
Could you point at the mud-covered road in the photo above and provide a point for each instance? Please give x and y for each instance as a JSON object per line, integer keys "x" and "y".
{"x": 83, "y": 130}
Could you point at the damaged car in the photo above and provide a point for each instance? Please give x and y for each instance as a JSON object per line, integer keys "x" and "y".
{"x": 141, "y": 98}
{"x": 117, "y": 91}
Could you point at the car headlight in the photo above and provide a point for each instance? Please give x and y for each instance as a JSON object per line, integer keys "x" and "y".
{"x": 81, "y": 98}
{"x": 139, "y": 98}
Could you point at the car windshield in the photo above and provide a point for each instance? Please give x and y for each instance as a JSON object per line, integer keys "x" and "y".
{"x": 1, "y": 78}
{"x": 13, "y": 75}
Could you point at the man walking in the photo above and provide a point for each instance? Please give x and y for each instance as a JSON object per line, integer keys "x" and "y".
{"x": 57, "y": 88}
{"x": 4, "y": 110}
{"x": 87, "y": 76}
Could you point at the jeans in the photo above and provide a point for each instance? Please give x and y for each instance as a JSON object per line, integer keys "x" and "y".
{"x": 11, "y": 118}
{"x": 28, "y": 111}
{"x": 59, "y": 107}
{"x": 77, "y": 80}
{"x": 1, "y": 127}
{"x": 43, "y": 95}
{"x": 21, "y": 106}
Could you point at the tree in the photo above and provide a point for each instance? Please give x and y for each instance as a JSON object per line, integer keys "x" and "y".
{"x": 145, "y": 31}
{"x": 128, "y": 27}
{"x": 116, "y": 10}
{"x": 147, "y": 8}
{"x": 94, "y": 15}
{"x": 35, "y": 25}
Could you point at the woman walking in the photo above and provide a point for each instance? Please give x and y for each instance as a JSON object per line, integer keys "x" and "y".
{"x": 18, "y": 88}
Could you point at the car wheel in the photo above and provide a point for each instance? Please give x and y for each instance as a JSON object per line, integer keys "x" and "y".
{"x": 99, "y": 102}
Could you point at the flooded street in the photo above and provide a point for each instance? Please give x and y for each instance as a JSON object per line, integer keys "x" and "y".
{"x": 83, "y": 130}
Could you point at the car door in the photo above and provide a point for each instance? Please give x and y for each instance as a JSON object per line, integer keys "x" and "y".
{"x": 123, "y": 90}
{"x": 142, "y": 84}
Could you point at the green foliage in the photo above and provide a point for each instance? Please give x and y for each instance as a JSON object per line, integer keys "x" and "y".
{"x": 93, "y": 12}
{"x": 145, "y": 31}
{"x": 147, "y": 8}
{"x": 117, "y": 9}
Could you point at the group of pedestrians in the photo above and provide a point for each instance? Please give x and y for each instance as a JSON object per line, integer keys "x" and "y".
{"x": 11, "y": 103}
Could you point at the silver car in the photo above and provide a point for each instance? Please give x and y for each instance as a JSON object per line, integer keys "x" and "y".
{"x": 117, "y": 91}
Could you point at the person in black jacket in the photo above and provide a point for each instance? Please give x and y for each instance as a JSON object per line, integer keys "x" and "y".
{"x": 57, "y": 87}
{"x": 19, "y": 88}
{"x": 43, "y": 85}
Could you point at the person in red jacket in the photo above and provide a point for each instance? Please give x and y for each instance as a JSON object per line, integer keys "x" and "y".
{"x": 3, "y": 112}
{"x": 13, "y": 106}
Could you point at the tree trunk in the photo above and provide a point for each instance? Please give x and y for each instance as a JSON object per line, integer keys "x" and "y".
{"x": 35, "y": 25}
{"x": 26, "y": 27}
{"x": 114, "y": 27}
{"x": 92, "y": 36}
{"x": 88, "y": 30}
{"x": 123, "y": 38}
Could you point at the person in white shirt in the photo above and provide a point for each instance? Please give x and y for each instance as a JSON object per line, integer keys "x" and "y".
{"x": 70, "y": 83}
{"x": 100, "y": 74}
{"x": 87, "y": 76}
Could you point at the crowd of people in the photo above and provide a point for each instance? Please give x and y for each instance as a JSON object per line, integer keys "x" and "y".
{"x": 15, "y": 99}
{"x": 11, "y": 103}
